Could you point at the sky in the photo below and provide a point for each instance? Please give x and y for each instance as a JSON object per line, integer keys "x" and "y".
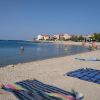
{"x": 25, "y": 19}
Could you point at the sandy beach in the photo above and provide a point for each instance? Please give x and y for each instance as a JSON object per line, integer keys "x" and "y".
{"x": 51, "y": 71}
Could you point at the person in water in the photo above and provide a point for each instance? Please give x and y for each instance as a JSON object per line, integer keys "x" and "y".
{"x": 21, "y": 50}
{"x": 83, "y": 43}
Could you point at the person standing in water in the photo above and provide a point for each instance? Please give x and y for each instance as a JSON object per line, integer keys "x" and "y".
{"x": 21, "y": 50}
{"x": 83, "y": 43}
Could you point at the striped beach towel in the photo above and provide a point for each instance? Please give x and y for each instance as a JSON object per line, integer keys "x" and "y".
{"x": 36, "y": 90}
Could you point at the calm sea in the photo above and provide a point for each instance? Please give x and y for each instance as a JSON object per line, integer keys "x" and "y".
{"x": 10, "y": 52}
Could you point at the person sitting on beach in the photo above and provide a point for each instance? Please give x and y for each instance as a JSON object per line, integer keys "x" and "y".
{"x": 94, "y": 45}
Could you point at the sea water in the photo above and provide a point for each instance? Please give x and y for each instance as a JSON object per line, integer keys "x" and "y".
{"x": 10, "y": 52}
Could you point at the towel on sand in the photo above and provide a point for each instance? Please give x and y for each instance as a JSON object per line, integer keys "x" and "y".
{"x": 36, "y": 90}
{"x": 88, "y": 59}
{"x": 87, "y": 74}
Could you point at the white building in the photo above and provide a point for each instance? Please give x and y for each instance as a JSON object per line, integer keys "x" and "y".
{"x": 43, "y": 37}
{"x": 57, "y": 37}
{"x": 40, "y": 37}
{"x": 66, "y": 36}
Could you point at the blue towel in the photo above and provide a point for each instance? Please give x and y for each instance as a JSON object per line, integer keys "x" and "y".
{"x": 37, "y": 90}
{"x": 88, "y": 74}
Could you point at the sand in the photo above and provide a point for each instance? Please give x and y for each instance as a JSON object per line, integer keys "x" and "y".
{"x": 51, "y": 71}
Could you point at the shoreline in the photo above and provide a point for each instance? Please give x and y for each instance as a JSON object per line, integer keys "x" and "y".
{"x": 40, "y": 60}
{"x": 14, "y": 65}
{"x": 66, "y": 43}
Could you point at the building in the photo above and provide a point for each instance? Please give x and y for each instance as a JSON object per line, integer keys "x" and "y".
{"x": 57, "y": 37}
{"x": 88, "y": 37}
{"x": 40, "y": 37}
{"x": 66, "y": 36}
{"x": 43, "y": 37}
{"x": 54, "y": 37}
{"x": 46, "y": 37}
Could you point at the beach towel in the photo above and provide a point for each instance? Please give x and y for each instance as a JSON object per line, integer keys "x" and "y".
{"x": 36, "y": 90}
{"x": 87, "y": 74}
{"x": 88, "y": 59}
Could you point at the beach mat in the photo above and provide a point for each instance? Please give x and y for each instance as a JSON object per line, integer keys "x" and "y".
{"x": 88, "y": 59}
{"x": 87, "y": 74}
{"x": 36, "y": 90}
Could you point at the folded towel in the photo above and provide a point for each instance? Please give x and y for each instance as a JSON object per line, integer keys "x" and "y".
{"x": 88, "y": 59}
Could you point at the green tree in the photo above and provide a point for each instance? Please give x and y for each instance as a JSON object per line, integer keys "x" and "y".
{"x": 80, "y": 38}
{"x": 74, "y": 38}
{"x": 96, "y": 36}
